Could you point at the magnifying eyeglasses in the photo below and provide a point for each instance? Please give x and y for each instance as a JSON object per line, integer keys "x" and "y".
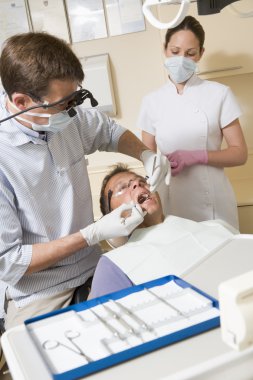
{"x": 73, "y": 100}
{"x": 76, "y": 99}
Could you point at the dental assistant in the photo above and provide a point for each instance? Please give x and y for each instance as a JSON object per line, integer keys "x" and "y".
{"x": 48, "y": 238}
{"x": 187, "y": 119}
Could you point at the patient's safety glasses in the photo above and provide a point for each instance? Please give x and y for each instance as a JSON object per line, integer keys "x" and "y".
{"x": 123, "y": 187}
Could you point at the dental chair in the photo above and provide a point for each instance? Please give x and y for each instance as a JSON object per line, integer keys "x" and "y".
{"x": 81, "y": 293}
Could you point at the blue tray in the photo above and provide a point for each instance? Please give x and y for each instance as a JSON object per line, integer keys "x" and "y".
{"x": 141, "y": 349}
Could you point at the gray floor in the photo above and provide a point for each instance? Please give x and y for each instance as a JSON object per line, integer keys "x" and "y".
{"x": 4, "y": 375}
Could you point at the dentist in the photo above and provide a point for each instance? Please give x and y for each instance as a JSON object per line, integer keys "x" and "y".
{"x": 48, "y": 238}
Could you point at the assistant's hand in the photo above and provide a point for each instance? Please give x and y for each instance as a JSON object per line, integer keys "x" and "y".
{"x": 114, "y": 225}
{"x": 157, "y": 168}
{"x": 185, "y": 158}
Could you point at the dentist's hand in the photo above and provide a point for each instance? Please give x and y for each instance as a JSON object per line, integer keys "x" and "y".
{"x": 185, "y": 158}
{"x": 114, "y": 225}
{"x": 157, "y": 168}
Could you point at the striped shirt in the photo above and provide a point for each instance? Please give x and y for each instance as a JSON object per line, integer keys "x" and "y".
{"x": 44, "y": 195}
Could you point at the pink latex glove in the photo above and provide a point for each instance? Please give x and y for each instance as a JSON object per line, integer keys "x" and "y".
{"x": 179, "y": 159}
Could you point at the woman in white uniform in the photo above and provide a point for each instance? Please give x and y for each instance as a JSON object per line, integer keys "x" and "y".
{"x": 187, "y": 119}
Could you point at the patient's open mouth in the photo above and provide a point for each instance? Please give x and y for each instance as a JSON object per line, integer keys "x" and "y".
{"x": 142, "y": 198}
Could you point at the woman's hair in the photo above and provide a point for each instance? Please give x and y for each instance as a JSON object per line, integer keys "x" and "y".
{"x": 118, "y": 168}
{"x": 29, "y": 61}
{"x": 189, "y": 23}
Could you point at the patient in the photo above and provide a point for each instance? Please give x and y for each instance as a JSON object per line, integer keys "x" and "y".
{"x": 159, "y": 246}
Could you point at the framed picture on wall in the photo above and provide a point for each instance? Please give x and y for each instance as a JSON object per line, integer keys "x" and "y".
{"x": 98, "y": 80}
{"x": 124, "y": 16}
{"x": 49, "y": 16}
{"x": 86, "y": 19}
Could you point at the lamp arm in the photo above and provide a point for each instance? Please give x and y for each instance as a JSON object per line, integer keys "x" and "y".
{"x": 156, "y": 23}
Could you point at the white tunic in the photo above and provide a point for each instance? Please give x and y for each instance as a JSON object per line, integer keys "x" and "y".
{"x": 192, "y": 121}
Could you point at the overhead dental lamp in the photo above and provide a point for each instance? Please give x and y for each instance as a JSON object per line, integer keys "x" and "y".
{"x": 205, "y": 7}
{"x": 183, "y": 10}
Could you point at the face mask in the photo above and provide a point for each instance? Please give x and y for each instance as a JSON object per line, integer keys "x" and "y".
{"x": 56, "y": 122}
{"x": 180, "y": 68}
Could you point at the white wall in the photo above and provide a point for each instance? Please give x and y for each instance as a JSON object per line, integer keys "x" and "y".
{"x": 136, "y": 65}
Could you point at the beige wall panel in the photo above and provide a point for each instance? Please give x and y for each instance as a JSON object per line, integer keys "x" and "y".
{"x": 246, "y": 219}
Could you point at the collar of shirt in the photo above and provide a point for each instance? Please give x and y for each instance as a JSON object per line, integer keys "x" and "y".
{"x": 17, "y": 134}
{"x": 30, "y": 132}
{"x": 194, "y": 79}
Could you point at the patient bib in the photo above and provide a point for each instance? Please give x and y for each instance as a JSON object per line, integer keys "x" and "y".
{"x": 172, "y": 247}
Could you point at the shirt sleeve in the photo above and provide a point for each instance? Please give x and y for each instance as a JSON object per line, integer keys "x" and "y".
{"x": 108, "y": 278}
{"x": 230, "y": 109}
{"x": 145, "y": 120}
{"x": 98, "y": 131}
{"x": 14, "y": 256}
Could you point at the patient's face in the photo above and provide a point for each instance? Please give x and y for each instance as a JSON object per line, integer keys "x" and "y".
{"x": 126, "y": 187}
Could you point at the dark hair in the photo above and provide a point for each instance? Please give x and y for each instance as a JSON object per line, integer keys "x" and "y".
{"x": 118, "y": 168}
{"x": 29, "y": 61}
{"x": 188, "y": 23}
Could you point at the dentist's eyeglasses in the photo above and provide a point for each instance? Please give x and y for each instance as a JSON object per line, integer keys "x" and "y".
{"x": 71, "y": 101}
{"x": 77, "y": 98}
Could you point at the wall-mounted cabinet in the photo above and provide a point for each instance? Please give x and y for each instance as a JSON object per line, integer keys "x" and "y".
{"x": 229, "y": 50}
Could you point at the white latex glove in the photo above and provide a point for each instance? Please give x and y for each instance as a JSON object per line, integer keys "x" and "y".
{"x": 157, "y": 168}
{"x": 114, "y": 225}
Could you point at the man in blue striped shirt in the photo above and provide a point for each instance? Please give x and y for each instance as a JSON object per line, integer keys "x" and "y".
{"x": 48, "y": 239}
